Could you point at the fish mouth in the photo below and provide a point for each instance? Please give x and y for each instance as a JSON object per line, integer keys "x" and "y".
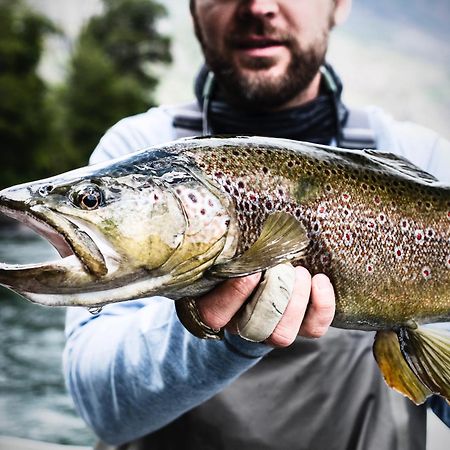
{"x": 79, "y": 252}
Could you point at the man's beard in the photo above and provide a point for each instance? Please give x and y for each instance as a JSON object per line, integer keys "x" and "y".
{"x": 257, "y": 91}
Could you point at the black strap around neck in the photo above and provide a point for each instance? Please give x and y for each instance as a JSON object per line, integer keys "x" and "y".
{"x": 323, "y": 120}
{"x": 318, "y": 121}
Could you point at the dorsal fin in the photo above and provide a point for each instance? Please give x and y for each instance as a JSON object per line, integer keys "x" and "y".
{"x": 400, "y": 164}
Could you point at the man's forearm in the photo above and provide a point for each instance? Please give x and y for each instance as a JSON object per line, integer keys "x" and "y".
{"x": 130, "y": 375}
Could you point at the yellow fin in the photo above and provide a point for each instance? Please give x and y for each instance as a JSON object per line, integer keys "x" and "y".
{"x": 395, "y": 369}
{"x": 282, "y": 239}
{"x": 427, "y": 352}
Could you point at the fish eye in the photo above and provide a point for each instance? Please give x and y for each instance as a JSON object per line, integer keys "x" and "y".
{"x": 89, "y": 197}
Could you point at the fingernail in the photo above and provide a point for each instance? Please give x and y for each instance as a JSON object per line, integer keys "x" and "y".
{"x": 322, "y": 282}
{"x": 254, "y": 276}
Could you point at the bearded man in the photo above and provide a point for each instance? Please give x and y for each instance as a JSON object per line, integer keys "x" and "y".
{"x": 139, "y": 379}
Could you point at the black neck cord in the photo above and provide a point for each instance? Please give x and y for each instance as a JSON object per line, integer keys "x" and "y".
{"x": 329, "y": 82}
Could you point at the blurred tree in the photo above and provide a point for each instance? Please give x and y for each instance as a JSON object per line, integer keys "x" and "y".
{"x": 24, "y": 118}
{"x": 110, "y": 75}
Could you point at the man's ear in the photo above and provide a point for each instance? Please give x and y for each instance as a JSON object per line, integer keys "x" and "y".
{"x": 341, "y": 11}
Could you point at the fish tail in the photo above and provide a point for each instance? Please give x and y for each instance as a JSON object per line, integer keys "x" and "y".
{"x": 415, "y": 361}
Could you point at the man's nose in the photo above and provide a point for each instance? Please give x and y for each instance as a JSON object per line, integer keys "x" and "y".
{"x": 265, "y": 8}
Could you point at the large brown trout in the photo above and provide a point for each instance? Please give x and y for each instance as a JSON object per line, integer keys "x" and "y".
{"x": 176, "y": 219}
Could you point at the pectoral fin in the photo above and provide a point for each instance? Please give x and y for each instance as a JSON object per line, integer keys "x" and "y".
{"x": 282, "y": 239}
{"x": 395, "y": 369}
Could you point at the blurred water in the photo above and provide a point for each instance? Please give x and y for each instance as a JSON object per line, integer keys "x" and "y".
{"x": 33, "y": 400}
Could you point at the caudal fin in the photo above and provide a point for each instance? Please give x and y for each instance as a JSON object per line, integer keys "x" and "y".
{"x": 415, "y": 362}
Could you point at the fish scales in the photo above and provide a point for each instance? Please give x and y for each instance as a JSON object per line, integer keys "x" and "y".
{"x": 384, "y": 241}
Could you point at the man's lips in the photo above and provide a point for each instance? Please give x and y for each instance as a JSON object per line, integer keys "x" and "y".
{"x": 259, "y": 46}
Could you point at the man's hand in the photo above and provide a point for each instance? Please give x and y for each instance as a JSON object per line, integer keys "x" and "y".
{"x": 309, "y": 312}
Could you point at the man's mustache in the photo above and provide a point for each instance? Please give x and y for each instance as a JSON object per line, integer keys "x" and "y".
{"x": 244, "y": 30}
{"x": 246, "y": 38}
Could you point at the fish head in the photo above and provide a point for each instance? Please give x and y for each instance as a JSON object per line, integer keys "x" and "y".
{"x": 122, "y": 234}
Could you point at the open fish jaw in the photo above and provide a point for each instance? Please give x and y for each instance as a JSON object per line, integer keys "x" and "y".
{"x": 39, "y": 277}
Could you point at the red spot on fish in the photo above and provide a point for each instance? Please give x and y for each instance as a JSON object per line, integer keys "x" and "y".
{"x": 321, "y": 210}
{"x": 419, "y": 236}
{"x": 377, "y": 199}
{"x": 404, "y": 225}
{"x": 426, "y": 272}
{"x": 447, "y": 263}
{"x": 346, "y": 197}
{"x": 398, "y": 252}
{"x": 371, "y": 224}
{"x": 369, "y": 268}
{"x": 348, "y": 238}
{"x": 252, "y": 197}
{"x": 269, "y": 204}
{"x": 381, "y": 218}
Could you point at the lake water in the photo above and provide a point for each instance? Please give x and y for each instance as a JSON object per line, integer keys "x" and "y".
{"x": 33, "y": 400}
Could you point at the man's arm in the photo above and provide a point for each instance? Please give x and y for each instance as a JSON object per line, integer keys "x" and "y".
{"x": 134, "y": 368}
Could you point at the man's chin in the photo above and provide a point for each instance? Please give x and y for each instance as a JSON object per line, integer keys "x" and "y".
{"x": 273, "y": 65}
{"x": 258, "y": 78}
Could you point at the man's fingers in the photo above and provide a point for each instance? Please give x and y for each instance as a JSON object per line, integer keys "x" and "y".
{"x": 287, "y": 329}
{"x": 219, "y": 306}
{"x": 262, "y": 312}
{"x": 321, "y": 309}
{"x": 309, "y": 312}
